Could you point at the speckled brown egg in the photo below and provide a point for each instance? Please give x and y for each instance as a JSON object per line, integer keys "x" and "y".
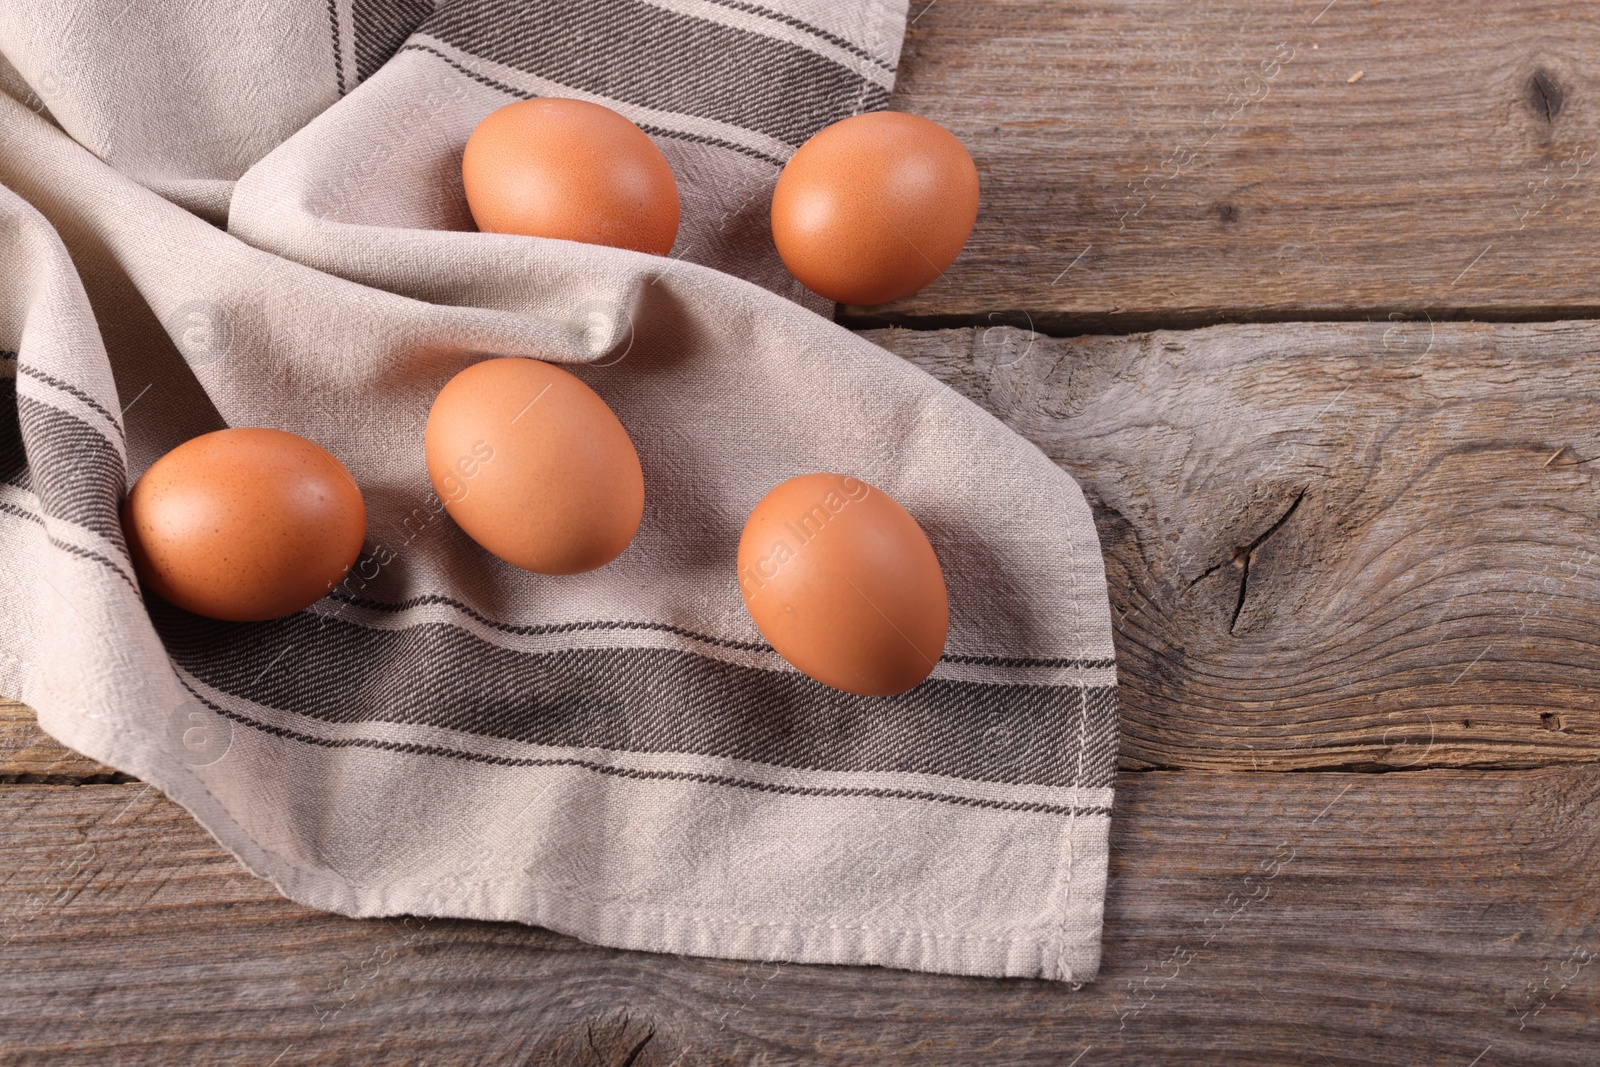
{"x": 534, "y": 466}
{"x": 844, "y": 584}
{"x": 573, "y": 170}
{"x": 244, "y": 524}
{"x": 874, "y": 207}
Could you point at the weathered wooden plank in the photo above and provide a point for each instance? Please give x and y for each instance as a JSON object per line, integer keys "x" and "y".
{"x": 1338, "y": 545}
{"x": 1155, "y": 163}
{"x": 28, "y": 754}
{"x": 1421, "y": 917}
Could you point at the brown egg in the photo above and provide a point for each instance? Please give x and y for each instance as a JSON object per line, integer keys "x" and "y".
{"x": 875, "y": 207}
{"x": 573, "y": 170}
{"x": 844, "y": 584}
{"x": 534, "y": 466}
{"x": 244, "y": 524}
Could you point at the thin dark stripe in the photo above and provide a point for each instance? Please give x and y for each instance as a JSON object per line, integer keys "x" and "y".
{"x": 96, "y": 557}
{"x": 21, "y": 513}
{"x": 603, "y": 625}
{"x": 68, "y": 387}
{"x": 800, "y": 24}
{"x": 338, "y": 64}
{"x": 630, "y": 51}
{"x": 659, "y": 131}
{"x": 110, "y": 565}
{"x": 411, "y": 748}
{"x": 546, "y": 628}
{"x": 1030, "y": 661}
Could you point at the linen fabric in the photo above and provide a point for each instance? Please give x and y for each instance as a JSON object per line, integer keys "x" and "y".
{"x": 224, "y": 216}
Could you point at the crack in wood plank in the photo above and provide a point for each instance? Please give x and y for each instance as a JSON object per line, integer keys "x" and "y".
{"x": 1249, "y": 558}
{"x": 1431, "y": 609}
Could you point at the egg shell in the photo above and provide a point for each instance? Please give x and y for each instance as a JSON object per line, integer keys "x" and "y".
{"x": 874, "y": 207}
{"x": 573, "y": 170}
{"x": 532, "y": 465}
{"x": 843, "y": 583}
{"x": 244, "y": 524}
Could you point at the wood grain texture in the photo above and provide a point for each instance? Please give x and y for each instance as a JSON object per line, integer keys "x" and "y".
{"x": 1155, "y": 163}
{"x": 1328, "y": 546}
{"x": 28, "y": 754}
{"x": 1405, "y": 918}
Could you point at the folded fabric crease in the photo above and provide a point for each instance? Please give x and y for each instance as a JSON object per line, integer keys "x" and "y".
{"x": 208, "y": 224}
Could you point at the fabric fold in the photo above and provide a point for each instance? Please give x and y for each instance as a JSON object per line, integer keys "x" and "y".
{"x": 617, "y": 755}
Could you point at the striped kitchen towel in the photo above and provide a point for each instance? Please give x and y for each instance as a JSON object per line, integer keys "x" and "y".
{"x": 212, "y": 219}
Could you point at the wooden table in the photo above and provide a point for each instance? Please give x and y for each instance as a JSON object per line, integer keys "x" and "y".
{"x": 1311, "y": 281}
